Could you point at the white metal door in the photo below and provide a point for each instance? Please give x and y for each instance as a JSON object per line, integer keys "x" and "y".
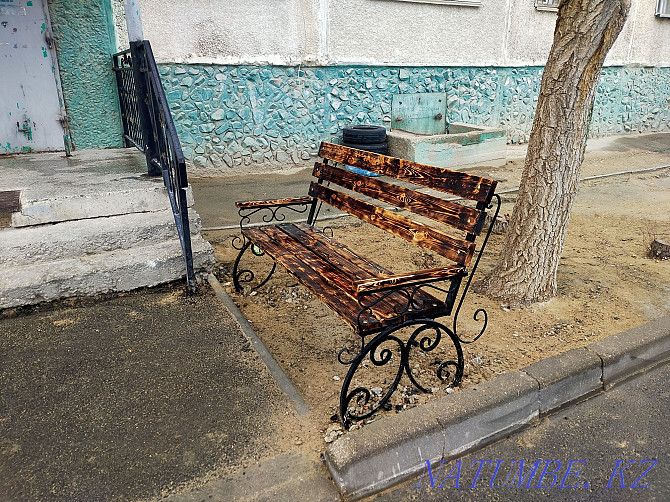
{"x": 30, "y": 107}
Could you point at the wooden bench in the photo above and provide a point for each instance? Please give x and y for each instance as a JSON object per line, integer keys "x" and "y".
{"x": 375, "y": 302}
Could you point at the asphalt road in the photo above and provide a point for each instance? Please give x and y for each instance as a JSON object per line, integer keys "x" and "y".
{"x": 613, "y": 447}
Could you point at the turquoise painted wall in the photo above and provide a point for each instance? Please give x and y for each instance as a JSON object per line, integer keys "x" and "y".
{"x": 85, "y": 37}
{"x": 229, "y": 116}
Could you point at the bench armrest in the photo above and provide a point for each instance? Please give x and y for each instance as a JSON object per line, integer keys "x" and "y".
{"x": 293, "y": 201}
{"x": 368, "y": 286}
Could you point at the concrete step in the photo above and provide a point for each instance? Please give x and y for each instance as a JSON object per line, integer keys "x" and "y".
{"x": 119, "y": 270}
{"x": 89, "y": 184}
{"x": 134, "y": 197}
{"x": 73, "y": 239}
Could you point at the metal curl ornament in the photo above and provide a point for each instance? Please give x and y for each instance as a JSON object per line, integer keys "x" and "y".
{"x": 246, "y": 276}
{"x": 359, "y": 403}
{"x": 475, "y": 317}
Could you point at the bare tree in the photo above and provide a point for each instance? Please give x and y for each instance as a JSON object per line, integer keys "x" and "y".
{"x": 585, "y": 32}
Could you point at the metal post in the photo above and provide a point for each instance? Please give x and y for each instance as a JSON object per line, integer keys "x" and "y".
{"x": 137, "y": 50}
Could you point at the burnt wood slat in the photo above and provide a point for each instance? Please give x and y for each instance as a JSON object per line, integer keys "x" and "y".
{"x": 457, "y": 250}
{"x": 337, "y": 300}
{"x": 435, "y": 274}
{"x": 372, "y": 268}
{"x": 337, "y": 273}
{"x": 350, "y": 264}
{"x": 273, "y": 202}
{"x": 323, "y": 248}
{"x": 459, "y": 216}
{"x": 454, "y": 182}
{"x": 333, "y": 285}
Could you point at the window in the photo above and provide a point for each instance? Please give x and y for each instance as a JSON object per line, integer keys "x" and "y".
{"x": 550, "y": 5}
{"x": 460, "y": 3}
{"x": 663, "y": 8}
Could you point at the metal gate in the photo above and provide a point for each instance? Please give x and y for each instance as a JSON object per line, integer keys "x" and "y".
{"x": 31, "y": 108}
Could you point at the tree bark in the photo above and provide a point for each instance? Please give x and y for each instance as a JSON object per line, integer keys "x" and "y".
{"x": 585, "y": 31}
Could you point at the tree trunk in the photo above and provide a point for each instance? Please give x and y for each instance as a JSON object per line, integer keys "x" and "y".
{"x": 585, "y": 31}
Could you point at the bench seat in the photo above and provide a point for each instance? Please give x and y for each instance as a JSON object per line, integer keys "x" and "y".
{"x": 337, "y": 275}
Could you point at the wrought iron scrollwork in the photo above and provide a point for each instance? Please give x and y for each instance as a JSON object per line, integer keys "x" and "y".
{"x": 245, "y": 275}
{"x": 479, "y": 311}
{"x": 361, "y": 402}
{"x": 268, "y": 214}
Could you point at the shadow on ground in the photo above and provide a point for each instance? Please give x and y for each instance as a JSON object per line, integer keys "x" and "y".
{"x": 128, "y": 397}
{"x": 648, "y": 142}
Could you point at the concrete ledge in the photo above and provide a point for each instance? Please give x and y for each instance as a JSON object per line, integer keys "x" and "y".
{"x": 566, "y": 377}
{"x": 629, "y": 352}
{"x": 465, "y": 146}
{"x": 73, "y": 239}
{"x": 69, "y": 206}
{"x": 393, "y": 449}
{"x": 120, "y": 270}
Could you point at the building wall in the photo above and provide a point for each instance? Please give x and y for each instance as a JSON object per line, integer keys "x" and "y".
{"x": 254, "y": 82}
{"x": 230, "y": 116}
{"x": 379, "y": 32}
{"x": 85, "y": 37}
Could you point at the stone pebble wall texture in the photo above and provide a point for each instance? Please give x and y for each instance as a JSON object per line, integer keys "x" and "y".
{"x": 85, "y": 36}
{"x": 229, "y": 116}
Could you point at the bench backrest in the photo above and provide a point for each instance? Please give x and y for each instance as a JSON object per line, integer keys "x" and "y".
{"x": 467, "y": 220}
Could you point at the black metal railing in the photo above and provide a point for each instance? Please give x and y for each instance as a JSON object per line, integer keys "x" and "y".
{"x": 148, "y": 126}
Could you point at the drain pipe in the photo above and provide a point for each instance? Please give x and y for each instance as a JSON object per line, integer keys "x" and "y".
{"x": 133, "y": 20}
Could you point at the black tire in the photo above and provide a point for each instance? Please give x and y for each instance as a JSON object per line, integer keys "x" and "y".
{"x": 363, "y": 134}
{"x": 372, "y": 147}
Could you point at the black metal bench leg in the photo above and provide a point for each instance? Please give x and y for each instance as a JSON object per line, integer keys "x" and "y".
{"x": 426, "y": 335}
{"x": 246, "y": 275}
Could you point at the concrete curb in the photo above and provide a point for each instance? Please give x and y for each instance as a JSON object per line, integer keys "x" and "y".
{"x": 388, "y": 451}
{"x": 627, "y": 353}
{"x": 273, "y": 367}
{"x": 566, "y": 378}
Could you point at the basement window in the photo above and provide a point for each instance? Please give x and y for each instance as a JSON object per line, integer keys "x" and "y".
{"x": 663, "y": 8}
{"x": 547, "y": 5}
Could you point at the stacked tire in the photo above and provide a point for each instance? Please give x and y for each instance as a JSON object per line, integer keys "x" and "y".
{"x": 365, "y": 137}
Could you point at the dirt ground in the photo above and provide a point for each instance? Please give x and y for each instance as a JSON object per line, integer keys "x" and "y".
{"x": 607, "y": 284}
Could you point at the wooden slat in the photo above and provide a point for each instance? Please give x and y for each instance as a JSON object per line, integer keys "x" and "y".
{"x": 315, "y": 274}
{"x": 323, "y": 248}
{"x": 273, "y": 202}
{"x": 342, "y": 304}
{"x": 373, "y": 269}
{"x": 372, "y": 285}
{"x": 457, "y": 250}
{"x": 368, "y": 267}
{"x": 350, "y": 264}
{"x": 459, "y": 216}
{"x": 332, "y": 267}
{"x": 438, "y": 178}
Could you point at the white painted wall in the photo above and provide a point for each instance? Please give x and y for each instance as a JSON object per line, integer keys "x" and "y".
{"x": 231, "y": 31}
{"x": 379, "y": 32}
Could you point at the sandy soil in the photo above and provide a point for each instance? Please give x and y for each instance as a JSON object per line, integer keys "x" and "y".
{"x": 606, "y": 285}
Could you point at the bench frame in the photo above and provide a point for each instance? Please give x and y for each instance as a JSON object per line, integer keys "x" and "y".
{"x": 413, "y": 308}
